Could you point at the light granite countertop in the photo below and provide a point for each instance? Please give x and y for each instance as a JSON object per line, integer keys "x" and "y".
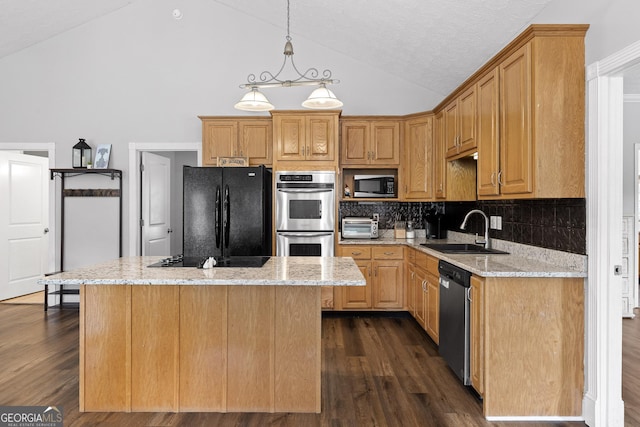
{"x": 521, "y": 260}
{"x": 282, "y": 271}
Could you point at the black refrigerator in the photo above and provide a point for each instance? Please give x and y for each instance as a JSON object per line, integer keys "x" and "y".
{"x": 227, "y": 211}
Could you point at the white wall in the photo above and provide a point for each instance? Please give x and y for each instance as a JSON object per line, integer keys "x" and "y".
{"x": 139, "y": 75}
{"x": 631, "y": 137}
{"x": 613, "y": 23}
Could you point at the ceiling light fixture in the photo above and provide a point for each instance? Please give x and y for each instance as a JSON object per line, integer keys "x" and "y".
{"x": 321, "y": 98}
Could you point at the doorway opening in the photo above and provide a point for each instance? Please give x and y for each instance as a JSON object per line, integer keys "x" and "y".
{"x": 180, "y": 154}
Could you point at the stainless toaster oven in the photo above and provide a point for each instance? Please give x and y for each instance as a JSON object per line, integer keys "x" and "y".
{"x": 359, "y": 228}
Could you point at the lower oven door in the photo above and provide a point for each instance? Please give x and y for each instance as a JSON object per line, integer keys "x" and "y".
{"x": 293, "y": 243}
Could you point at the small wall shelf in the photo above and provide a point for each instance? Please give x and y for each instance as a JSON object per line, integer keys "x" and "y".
{"x": 82, "y": 192}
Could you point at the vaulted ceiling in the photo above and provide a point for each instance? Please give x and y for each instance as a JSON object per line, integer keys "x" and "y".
{"x": 431, "y": 43}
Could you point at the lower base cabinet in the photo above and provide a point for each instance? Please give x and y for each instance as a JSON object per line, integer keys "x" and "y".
{"x": 477, "y": 335}
{"x": 383, "y": 268}
{"x": 424, "y": 292}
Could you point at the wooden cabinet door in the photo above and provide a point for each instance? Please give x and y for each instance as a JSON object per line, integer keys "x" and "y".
{"x": 487, "y": 136}
{"x": 354, "y": 143}
{"x": 419, "y": 159}
{"x": 410, "y": 278}
{"x": 219, "y": 139}
{"x": 439, "y": 158}
{"x": 385, "y": 143}
{"x": 387, "y": 284}
{"x": 467, "y": 120}
{"x": 516, "y": 143}
{"x": 477, "y": 335}
{"x": 290, "y": 137}
{"x": 255, "y": 141}
{"x": 320, "y": 138}
{"x": 420, "y": 297}
{"x": 450, "y": 132}
{"x": 433, "y": 307}
{"x": 358, "y": 296}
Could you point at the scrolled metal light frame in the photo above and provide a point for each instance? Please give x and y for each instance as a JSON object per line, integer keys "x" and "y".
{"x": 311, "y": 77}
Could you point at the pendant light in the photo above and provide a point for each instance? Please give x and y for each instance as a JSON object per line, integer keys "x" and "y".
{"x": 320, "y": 98}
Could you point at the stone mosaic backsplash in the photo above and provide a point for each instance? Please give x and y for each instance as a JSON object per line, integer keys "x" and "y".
{"x": 558, "y": 224}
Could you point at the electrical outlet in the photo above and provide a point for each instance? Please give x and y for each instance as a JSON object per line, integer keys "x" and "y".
{"x": 376, "y": 217}
{"x": 495, "y": 222}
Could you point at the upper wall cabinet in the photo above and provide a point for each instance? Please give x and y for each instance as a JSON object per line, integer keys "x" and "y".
{"x": 305, "y": 136}
{"x": 460, "y": 125}
{"x": 231, "y": 137}
{"x": 418, "y": 170}
{"x": 370, "y": 142}
{"x": 534, "y": 98}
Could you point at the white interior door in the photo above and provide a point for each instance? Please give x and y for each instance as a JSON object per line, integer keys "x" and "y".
{"x": 24, "y": 217}
{"x": 156, "y": 207}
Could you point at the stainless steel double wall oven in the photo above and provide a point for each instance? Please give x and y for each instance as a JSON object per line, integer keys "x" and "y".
{"x": 305, "y": 213}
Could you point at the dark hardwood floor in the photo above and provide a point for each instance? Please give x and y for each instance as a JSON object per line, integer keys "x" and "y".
{"x": 376, "y": 371}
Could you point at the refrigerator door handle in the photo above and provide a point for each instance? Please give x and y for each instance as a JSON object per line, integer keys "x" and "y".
{"x": 227, "y": 218}
{"x": 218, "y": 214}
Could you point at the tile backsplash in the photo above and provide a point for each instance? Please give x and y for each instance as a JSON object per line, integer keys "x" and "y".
{"x": 406, "y": 211}
{"x": 558, "y": 224}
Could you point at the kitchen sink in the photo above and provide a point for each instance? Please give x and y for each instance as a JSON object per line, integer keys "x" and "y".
{"x": 461, "y": 248}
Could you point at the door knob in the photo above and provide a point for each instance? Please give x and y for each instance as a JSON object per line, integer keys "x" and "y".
{"x": 46, "y": 230}
{"x": 169, "y": 230}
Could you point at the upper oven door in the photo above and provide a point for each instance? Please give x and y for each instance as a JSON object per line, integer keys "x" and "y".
{"x": 300, "y": 207}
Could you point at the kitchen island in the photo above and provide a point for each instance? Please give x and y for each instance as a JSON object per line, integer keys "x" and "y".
{"x": 196, "y": 340}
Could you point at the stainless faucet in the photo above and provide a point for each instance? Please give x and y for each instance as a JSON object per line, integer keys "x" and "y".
{"x": 486, "y": 226}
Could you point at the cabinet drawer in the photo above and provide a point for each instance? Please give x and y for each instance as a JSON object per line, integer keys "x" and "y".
{"x": 427, "y": 262}
{"x": 432, "y": 265}
{"x": 411, "y": 256}
{"x": 388, "y": 252}
{"x": 356, "y": 252}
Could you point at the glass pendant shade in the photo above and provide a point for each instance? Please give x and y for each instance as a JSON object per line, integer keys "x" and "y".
{"x": 254, "y": 101}
{"x": 322, "y": 99}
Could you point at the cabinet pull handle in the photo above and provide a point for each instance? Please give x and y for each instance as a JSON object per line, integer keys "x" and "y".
{"x": 424, "y": 285}
{"x": 356, "y": 253}
{"x": 500, "y": 179}
{"x": 389, "y": 253}
{"x": 493, "y": 176}
{"x": 469, "y": 295}
{"x": 369, "y": 271}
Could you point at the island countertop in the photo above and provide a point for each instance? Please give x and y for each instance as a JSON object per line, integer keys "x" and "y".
{"x": 285, "y": 271}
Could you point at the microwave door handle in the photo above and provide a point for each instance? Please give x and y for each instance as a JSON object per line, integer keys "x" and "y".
{"x": 304, "y": 190}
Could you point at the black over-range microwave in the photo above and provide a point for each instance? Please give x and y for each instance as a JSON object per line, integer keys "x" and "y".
{"x": 374, "y": 186}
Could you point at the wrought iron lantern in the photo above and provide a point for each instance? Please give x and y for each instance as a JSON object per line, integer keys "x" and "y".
{"x": 81, "y": 154}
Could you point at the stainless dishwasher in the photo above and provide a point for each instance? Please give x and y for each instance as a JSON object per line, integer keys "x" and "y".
{"x": 454, "y": 344}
